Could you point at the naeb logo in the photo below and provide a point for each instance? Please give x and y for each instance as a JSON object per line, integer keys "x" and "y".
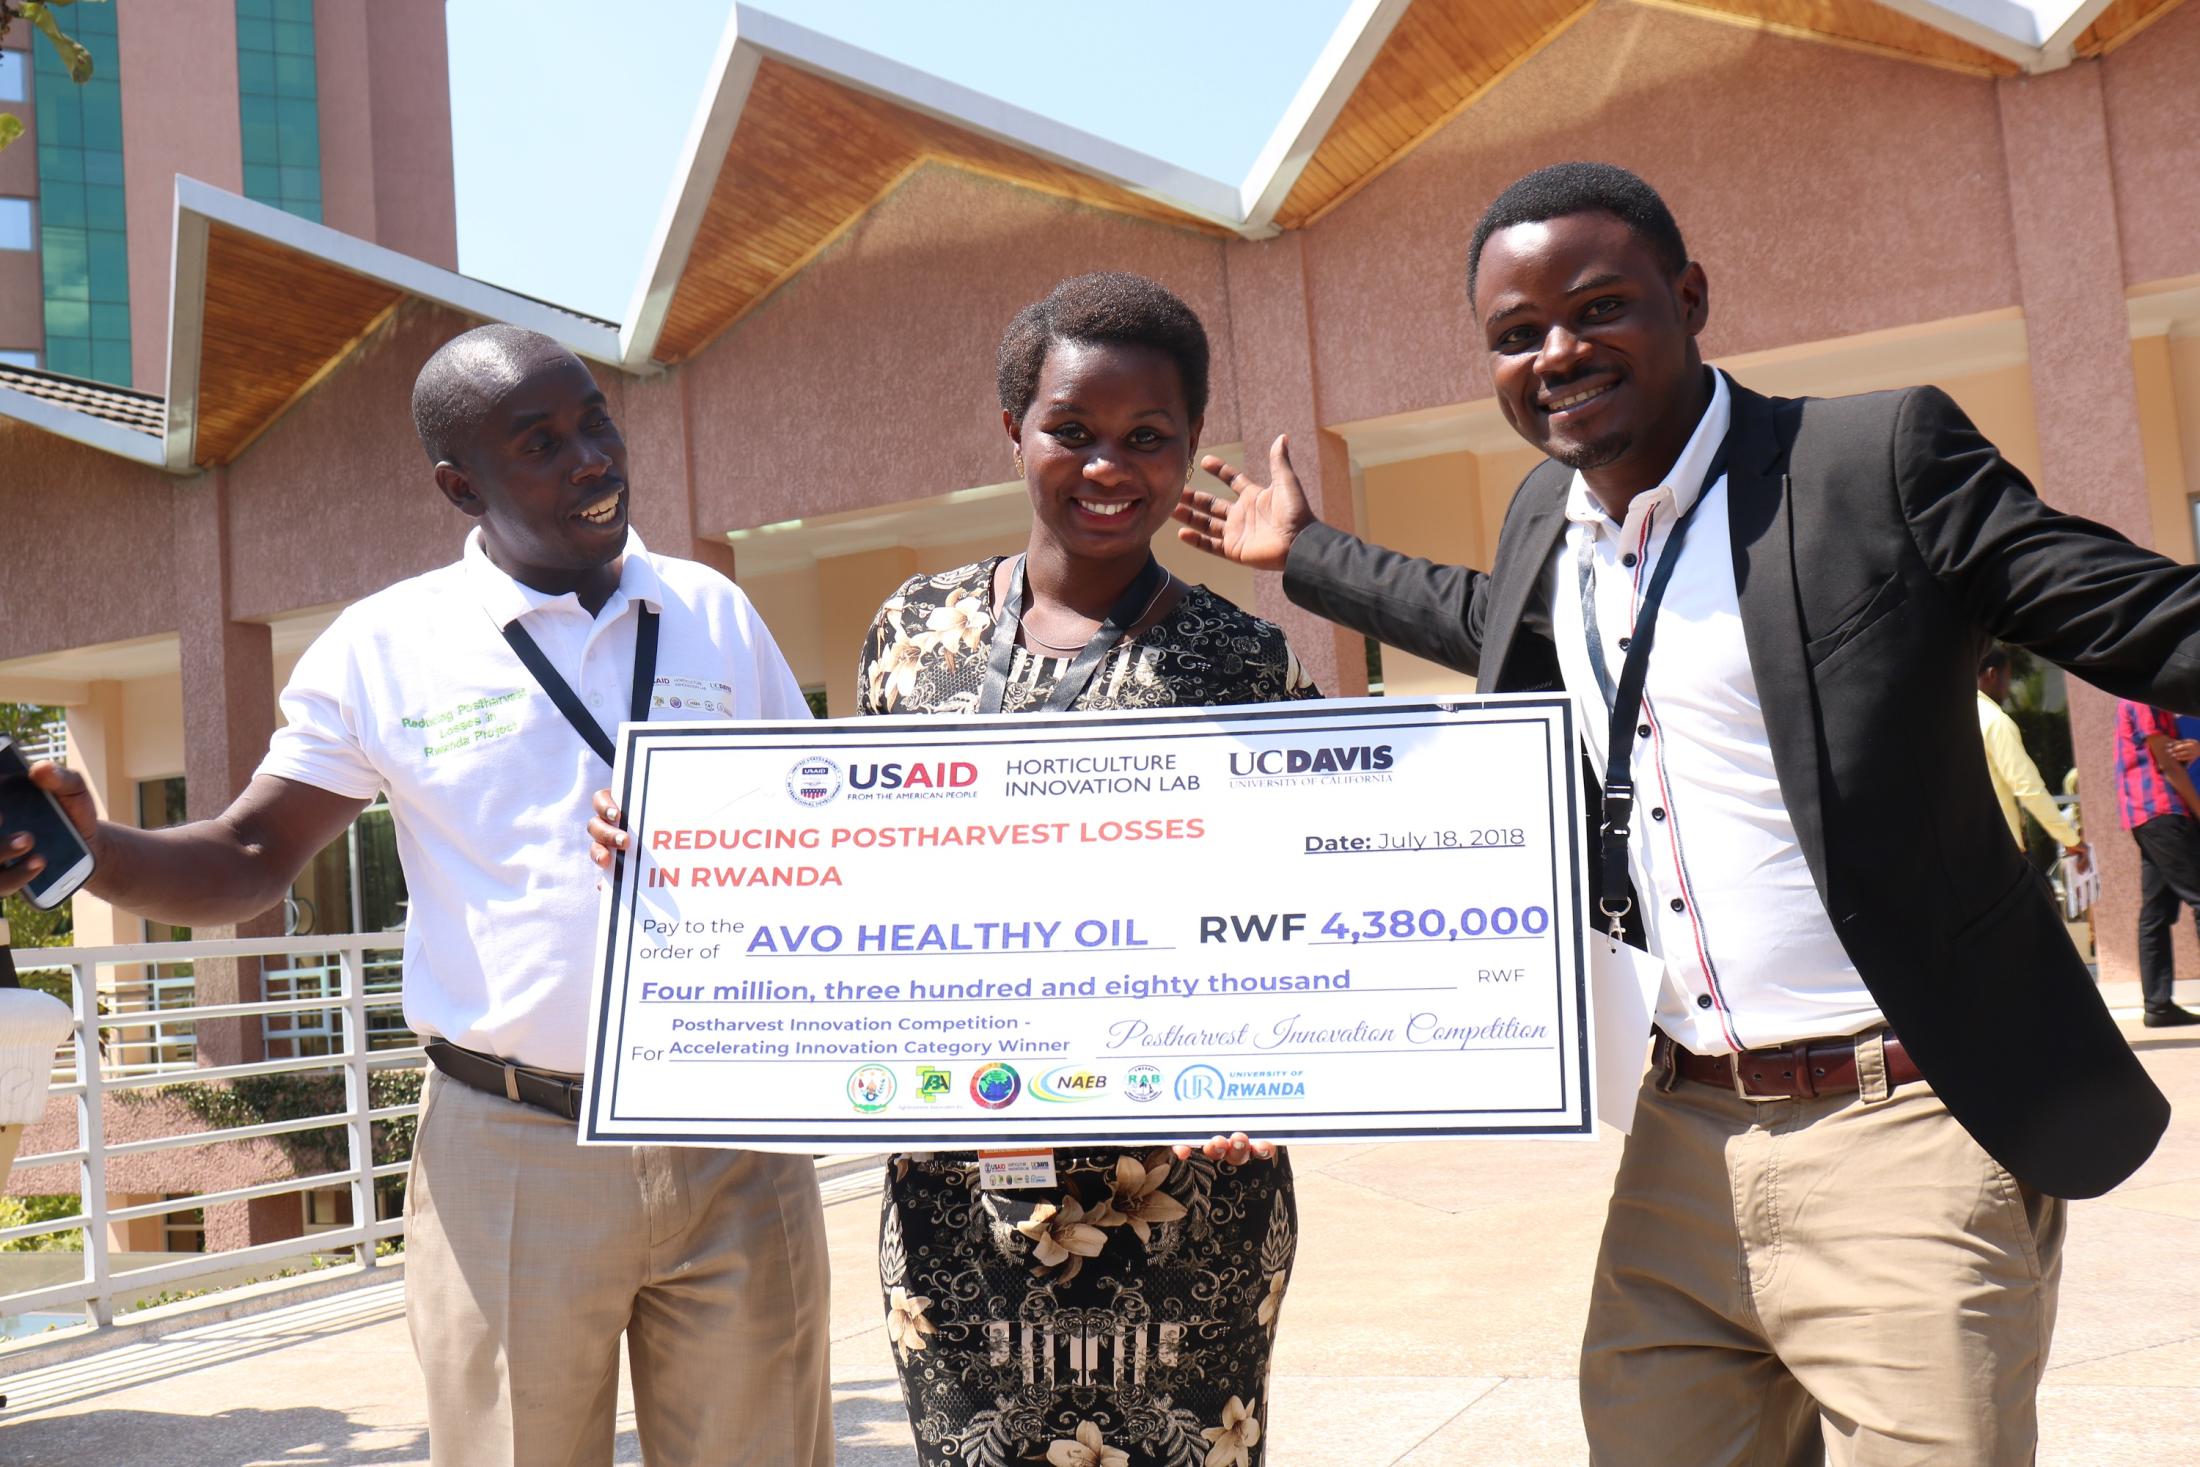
{"x": 996, "y": 1086}
{"x": 1069, "y": 1085}
{"x": 1199, "y": 1082}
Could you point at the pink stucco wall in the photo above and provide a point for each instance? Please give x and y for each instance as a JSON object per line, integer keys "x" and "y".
{"x": 869, "y": 377}
{"x": 1826, "y": 192}
{"x": 179, "y": 115}
{"x": 75, "y": 517}
{"x": 2152, "y": 89}
{"x": 337, "y": 500}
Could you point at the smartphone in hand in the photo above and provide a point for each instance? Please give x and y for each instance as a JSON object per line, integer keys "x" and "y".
{"x": 26, "y": 807}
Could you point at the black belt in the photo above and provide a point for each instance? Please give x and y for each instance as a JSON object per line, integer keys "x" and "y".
{"x": 544, "y": 1090}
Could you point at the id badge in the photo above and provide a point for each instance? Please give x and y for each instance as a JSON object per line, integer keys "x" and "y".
{"x": 1012, "y": 1170}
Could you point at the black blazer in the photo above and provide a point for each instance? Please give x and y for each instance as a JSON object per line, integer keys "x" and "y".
{"x": 1879, "y": 543}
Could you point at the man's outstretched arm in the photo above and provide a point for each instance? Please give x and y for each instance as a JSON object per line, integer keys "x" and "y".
{"x": 208, "y": 873}
{"x": 1433, "y": 611}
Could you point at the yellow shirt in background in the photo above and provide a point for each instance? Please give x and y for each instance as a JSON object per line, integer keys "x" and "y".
{"x": 2016, "y": 777}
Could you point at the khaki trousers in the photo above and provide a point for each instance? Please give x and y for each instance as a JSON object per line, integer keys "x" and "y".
{"x": 527, "y": 1256}
{"x": 1843, "y": 1277}
{"x": 10, "y": 1138}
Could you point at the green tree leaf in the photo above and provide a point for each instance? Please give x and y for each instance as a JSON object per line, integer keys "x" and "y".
{"x": 73, "y": 56}
{"x": 11, "y": 128}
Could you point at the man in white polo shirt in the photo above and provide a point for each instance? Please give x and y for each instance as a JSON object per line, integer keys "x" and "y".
{"x": 478, "y": 697}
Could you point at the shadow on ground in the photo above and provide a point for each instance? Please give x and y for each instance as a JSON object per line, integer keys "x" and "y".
{"x": 242, "y": 1436}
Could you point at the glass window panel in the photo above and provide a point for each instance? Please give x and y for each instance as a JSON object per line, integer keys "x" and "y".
{"x": 297, "y": 11}
{"x": 64, "y": 263}
{"x": 68, "y": 318}
{"x": 108, "y": 256}
{"x": 15, "y": 224}
{"x": 102, "y": 126}
{"x": 111, "y": 362}
{"x": 103, "y": 206}
{"x": 64, "y": 204}
{"x": 60, "y": 124}
{"x": 294, "y": 77}
{"x": 262, "y": 140}
{"x": 302, "y": 183}
{"x": 254, "y": 32}
{"x": 71, "y": 356}
{"x": 14, "y": 77}
{"x": 110, "y": 322}
{"x": 262, "y": 181}
{"x": 257, "y": 9}
{"x": 292, "y": 39}
{"x": 102, "y": 167}
{"x": 298, "y": 114}
{"x": 63, "y": 165}
{"x": 256, "y": 73}
{"x": 19, "y": 358}
{"x": 301, "y": 147}
{"x": 305, "y": 209}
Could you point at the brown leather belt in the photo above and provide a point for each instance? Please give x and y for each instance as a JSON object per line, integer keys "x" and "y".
{"x": 543, "y": 1089}
{"x": 1801, "y": 1071}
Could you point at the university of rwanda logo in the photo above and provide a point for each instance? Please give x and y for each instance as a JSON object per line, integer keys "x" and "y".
{"x": 995, "y": 1086}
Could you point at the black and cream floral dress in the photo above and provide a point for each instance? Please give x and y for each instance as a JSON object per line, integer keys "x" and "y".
{"x": 1122, "y": 1317}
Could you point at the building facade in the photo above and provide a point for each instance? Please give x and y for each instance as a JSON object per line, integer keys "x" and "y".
{"x": 805, "y": 376}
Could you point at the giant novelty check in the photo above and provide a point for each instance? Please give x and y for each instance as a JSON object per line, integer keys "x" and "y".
{"x": 1305, "y": 921}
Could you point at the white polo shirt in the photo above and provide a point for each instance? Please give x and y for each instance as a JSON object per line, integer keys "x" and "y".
{"x": 414, "y": 691}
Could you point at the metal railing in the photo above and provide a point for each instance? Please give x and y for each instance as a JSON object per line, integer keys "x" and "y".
{"x": 81, "y": 1072}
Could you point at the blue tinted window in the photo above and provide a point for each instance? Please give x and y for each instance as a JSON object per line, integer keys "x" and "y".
{"x": 84, "y": 242}
{"x": 278, "y": 105}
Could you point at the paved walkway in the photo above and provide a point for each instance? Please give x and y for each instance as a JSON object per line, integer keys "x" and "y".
{"x": 1433, "y": 1320}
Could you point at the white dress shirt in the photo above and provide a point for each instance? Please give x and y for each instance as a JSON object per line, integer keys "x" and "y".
{"x": 1727, "y": 899}
{"x": 415, "y": 691}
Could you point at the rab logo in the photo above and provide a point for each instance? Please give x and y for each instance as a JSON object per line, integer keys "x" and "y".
{"x": 1069, "y": 1085}
{"x": 1357, "y": 759}
{"x": 942, "y": 776}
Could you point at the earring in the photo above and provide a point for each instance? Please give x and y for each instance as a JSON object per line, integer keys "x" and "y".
{"x": 1019, "y": 463}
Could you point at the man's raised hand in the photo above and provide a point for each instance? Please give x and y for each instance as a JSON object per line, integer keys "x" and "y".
{"x": 1257, "y": 526}
{"x": 75, "y": 798}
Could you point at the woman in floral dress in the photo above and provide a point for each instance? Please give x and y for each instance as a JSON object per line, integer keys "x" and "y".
{"x": 1123, "y": 1316}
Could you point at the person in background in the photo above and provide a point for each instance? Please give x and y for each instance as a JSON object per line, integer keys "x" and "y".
{"x": 2156, "y": 801}
{"x": 2016, "y": 778}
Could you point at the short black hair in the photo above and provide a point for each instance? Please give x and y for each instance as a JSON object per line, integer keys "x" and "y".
{"x": 1994, "y": 659}
{"x": 1581, "y": 188}
{"x": 465, "y": 376}
{"x": 1110, "y": 306}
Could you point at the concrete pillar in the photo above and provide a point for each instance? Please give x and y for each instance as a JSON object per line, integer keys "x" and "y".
{"x": 1272, "y": 358}
{"x": 228, "y": 718}
{"x": 95, "y": 751}
{"x": 849, "y": 590}
{"x": 2078, "y": 339}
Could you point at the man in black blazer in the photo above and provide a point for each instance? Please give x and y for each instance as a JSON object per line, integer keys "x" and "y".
{"x": 1879, "y": 1061}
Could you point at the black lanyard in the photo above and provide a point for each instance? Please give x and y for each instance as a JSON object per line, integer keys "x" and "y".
{"x": 1001, "y": 652}
{"x": 1619, "y": 776}
{"x": 569, "y": 704}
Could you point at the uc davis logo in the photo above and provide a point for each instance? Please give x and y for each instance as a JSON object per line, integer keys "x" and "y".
{"x": 813, "y": 781}
{"x": 871, "y": 1088}
{"x": 996, "y": 1086}
{"x": 1143, "y": 1083}
{"x": 1069, "y": 1085}
{"x": 1199, "y": 1082}
{"x": 933, "y": 1083}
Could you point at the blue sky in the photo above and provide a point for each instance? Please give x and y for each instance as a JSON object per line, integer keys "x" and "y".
{"x": 567, "y": 116}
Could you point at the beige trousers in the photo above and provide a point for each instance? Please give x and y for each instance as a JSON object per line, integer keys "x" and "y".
{"x": 10, "y": 1138}
{"x": 1843, "y": 1277}
{"x": 527, "y": 1256}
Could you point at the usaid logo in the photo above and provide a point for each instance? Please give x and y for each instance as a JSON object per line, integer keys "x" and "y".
{"x": 940, "y": 776}
{"x": 813, "y": 781}
{"x": 1199, "y": 1082}
{"x": 1355, "y": 759}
